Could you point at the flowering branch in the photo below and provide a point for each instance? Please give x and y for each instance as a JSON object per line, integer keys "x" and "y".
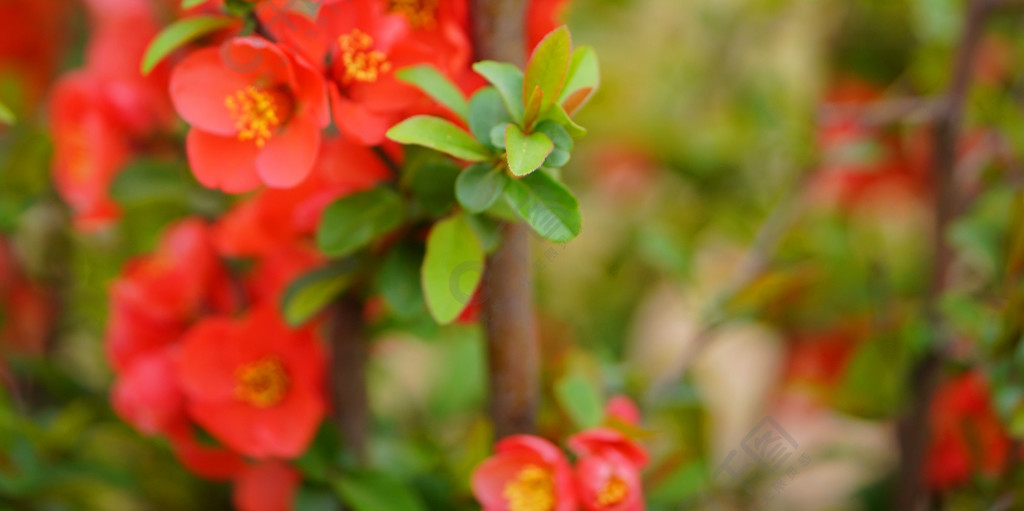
{"x": 913, "y": 433}
{"x": 498, "y": 28}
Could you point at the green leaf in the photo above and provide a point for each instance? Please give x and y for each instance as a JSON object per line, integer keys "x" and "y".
{"x": 433, "y": 184}
{"x": 352, "y": 222}
{"x": 580, "y": 400}
{"x": 452, "y": 268}
{"x": 6, "y": 114}
{"x": 546, "y": 205}
{"x": 525, "y": 153}
{"x": 373, "y": 491}
{"x": 437, "y": 86}
{"x": 558, "y": 115}
{"x": 562, "y": 140}
{"x": 488, "y": 231}
{"x": 486, "y": 112}
{"x": 179, "y": 34}
{"x": 312, "y": 292}
{"x": 548, "y": 67}
{"x": 398, "y": 281}
{"x": 584, "y": 73}
{"x": 440, "y": 135}
{"x": 188, "y": 4}
{"x": 508, "y": 79}
{"x": 479, "y": 186}
{"x": 315, "y": 499}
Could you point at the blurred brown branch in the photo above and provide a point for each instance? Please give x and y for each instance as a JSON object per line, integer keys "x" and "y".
{"x": 349, "y": 354}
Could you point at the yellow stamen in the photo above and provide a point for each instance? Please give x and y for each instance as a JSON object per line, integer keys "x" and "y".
{"x": 360, "y": 62}
{"x": 257, "y": 113}
{"x": 614, "y": 492}
{"x": 532, "y": 490}
{"x": 420, "y": 13}
{"x": 262, "y": 384}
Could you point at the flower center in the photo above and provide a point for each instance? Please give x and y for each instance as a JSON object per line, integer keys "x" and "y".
{"x": 420, "y": 13}
{"x": 532, "y": 490}
{"x": 361, "y": 64}
{"x": 262, "y": 384}
{"x": 258, "y": 112}
{"x": 614, "y": 492}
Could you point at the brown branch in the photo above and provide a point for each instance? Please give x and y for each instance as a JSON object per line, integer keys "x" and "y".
{"x": 913, "y": 431}
{"x": 507, "y": 304}
{"x": 349, "y": 353}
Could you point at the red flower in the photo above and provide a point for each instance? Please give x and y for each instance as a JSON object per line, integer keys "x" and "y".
{"x": 29, "y": 44}
{"x": 209, "y": 461}
{"x": 256, "y": 111}
{"x": 268, "y": 486}
{"x": 147, "y": 394}
{"x": 623, "y": 409}
{"x": 966, "y": 433}
{"x": 158, "y": 296}
{"x": 89, "y": 147}
{"x": 367, "y": 46}
{"x": 599, "y": 441}
{"x": 254, "y": 384}
{"x": 526, "y": 473}
{"x": 275, "y": 217}
{"x": 608, "y": 482}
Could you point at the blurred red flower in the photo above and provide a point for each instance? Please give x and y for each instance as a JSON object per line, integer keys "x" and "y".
{"x": 254, "y": 384}
{"x": 268, "y": 486}
{"x": 542, "y": 16}
{"x": 608, "y": 482}
{"x": 526, "y": 473}
{"x": 966, "y": 435}
{"x": 256, "y": 111}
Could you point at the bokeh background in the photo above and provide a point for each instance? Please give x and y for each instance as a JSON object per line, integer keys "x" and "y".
{"x": 757, "y": 240}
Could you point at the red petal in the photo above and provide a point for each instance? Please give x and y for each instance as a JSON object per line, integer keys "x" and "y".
{"x": 289, "y": 155}
{"x": 224, "y": 163}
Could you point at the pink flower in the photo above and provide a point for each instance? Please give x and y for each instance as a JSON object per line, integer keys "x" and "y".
{"x": 526, "y": 473}
{"x": 623, "y": 409}
{"x": 608, "y": 482}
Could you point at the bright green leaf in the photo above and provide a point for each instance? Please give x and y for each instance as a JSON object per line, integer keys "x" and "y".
{"x": 452, "y": 268}
{"x": 558, "y": 115}
{"x": 352, "y": 222}
{"x": 312, "y": 292}
{"x": 188, "y": 4}
{"x": 548, "y": 67}
{"x": 580, "y": 400}
{"x": 526, "y": 153}
{"x": 546, "y": 205}
{"x": 179, "y": 34}
{"x": 437, "y": 86}
{"x": 6, "y": 114}
{"x": 440, "y": 135}
{"x": 479, "y": 186}
{"x": 508, "y": 79}
{"x": 373, "y": 491}
{"x": 584, "y": 73}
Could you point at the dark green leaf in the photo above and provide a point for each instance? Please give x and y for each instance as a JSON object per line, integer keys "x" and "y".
{"x": 314, "y": 291}
{"x": 479, "y": 186}
{"x": 562, "y": 140}
{"x": 373, "y": 491}
{"x": 398, "y": 281}
{"x": 452, "y": 268}
{"x": 352, "y": 222}
{"x": 525, "y": 153}
{"x": 437, "y": 86}
{"x": 433, "y": 183}
{"x": 546, "y": 205}
{"x": 487, "y": 230}
{"x": 486, "y": 112}
{"x": 440, "y": 135}
{"x": 314, "y": 499}
{"x": 179, "y": 34}
{"x": 508, "y": 79}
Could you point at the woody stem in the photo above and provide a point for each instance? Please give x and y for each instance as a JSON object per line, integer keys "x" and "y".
{"x": 349, "y": 354}
{"x": 507, "y": 305}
